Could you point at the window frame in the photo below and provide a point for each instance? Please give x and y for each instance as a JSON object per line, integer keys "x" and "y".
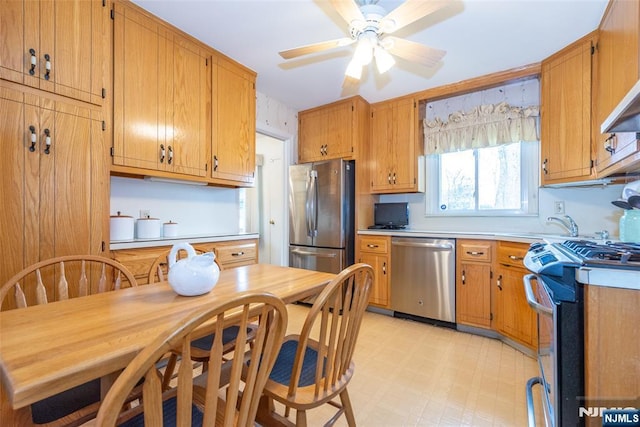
{"x": 529, "y": 185}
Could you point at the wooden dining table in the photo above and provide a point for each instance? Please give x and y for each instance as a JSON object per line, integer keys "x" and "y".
{"x": 46, "y": 349}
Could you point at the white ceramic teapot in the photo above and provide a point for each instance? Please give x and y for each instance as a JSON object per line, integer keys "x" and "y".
{"x": 194, "y": 275}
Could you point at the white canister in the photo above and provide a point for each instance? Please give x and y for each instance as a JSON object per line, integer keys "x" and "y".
{"x": 148, "y": 228}
{"x": 170, "y": 229}
{"x": 121, "y": 227}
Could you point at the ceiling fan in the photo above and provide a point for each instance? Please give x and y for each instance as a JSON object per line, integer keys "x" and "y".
{"x": 369, "y": 27}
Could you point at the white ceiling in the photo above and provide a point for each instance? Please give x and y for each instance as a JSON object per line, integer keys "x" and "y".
{"x": 480, "y": 37}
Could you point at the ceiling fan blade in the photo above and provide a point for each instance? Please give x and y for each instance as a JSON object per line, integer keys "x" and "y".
{"x": 316, "y": 47}
{"x": 412, "y": 51}
{"x": 410, "y": 11}
{"x": 348, "y": 9}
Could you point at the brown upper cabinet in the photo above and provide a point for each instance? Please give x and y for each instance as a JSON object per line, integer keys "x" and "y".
{"x": 53, "y": 178}
{"x": 162, "y": 97}
{"x": 395, "y": 147}
{"x": 565, "y": 142}
{"x": 57, "y": 46}
{"x": 332, "y": 131}
{"x": 618, "y": 69}
{"x": 234, "y": 123}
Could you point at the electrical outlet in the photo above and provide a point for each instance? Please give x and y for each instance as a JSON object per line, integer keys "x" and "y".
{"x": 146, "y": 213}
{"x": 558, "y": 207}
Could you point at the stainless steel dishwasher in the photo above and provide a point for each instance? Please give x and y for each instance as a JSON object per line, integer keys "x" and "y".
{"x": 423, "y": 277}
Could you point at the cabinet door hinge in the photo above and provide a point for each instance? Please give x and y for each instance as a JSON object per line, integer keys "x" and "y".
{"x": 206, "y": 167}
{"x": 206, "y": 62}
{"x": 103, "y": 246}
{"x": 104, "y": 3}
{"x": 104, "y": 125}
{"x": 490, "y": 316}
{"x": 593, "y": 49}
{"x": 113, "y": 14}
{"x": 491, "y": 274}
{"x": 104, "y": 93}
{"x": 112, "y": 152}
{"x": 414, "y": 104}
{"x": 592, "y": 164}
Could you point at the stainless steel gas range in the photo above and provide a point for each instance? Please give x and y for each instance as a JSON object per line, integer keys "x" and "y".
{"x": 555, "y": 289}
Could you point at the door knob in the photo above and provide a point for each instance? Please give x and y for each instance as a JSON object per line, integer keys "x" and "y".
{"x": 272, "y": 222}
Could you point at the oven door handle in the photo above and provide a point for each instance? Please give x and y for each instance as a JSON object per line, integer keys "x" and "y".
{"x": 531, "y": 413}
{"x": 531, "y": 298}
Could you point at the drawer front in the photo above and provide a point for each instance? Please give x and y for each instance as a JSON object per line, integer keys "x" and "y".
{"x": 512, "y": 253}
{"x": 378, "y": 245}
{"x": 475, "y": 251}
{"x": 139, "y": 261}
{"x": 236, "y": 254}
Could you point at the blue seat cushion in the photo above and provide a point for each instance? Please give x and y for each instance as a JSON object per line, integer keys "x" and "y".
{"x": 229, "y": 334}
{"x": 169, "y": 408}
{"x": 65, "y": 403}
{"x": 282, "y": 369}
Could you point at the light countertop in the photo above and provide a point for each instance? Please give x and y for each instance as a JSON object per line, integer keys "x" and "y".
{"x": 168, "y": 241}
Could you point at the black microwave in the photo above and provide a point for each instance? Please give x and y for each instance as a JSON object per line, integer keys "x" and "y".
{"x": 391, "y": 215}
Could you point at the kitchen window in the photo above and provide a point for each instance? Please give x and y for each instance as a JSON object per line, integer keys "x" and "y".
{"x": 482, "y": 152}
{"x": 500, "y": 180}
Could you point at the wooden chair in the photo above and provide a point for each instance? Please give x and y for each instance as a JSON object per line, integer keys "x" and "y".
{"x": 200, "y": 347}
{"x": 221, "y": 398}
{"x": 311, "y": 372}
{"x": 55, "y": 279}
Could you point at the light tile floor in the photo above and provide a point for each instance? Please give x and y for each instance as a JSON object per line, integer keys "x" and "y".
{"x": 414, "y": 374}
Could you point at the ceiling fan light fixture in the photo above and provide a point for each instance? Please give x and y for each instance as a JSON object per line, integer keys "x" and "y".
{"x": 354, "y": 69}
{"x": 384, "y": 60}
{"x": 364, "y": 51}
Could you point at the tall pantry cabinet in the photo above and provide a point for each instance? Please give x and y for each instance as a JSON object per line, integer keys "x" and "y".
{"x": 54, "y": 185}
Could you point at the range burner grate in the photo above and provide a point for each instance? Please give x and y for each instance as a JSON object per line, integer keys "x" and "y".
{"x": 613, "y": 252}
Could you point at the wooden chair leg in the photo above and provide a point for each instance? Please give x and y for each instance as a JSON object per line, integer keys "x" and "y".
{"x": 168, "y": 371}
{"x": 301, "y": 418}
{"x": 348, "y": 409}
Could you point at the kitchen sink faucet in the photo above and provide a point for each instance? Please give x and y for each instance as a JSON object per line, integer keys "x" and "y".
{"x": 567, "y": 223}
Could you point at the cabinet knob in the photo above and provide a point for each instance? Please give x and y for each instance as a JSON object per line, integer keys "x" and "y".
{"x": 237, "y": 253}
{"x": 544, "y": 166}
{"x": 610, "y": 143}
{"x": 384, "y": 268}
{"x": 499, "y": 282}
{"x": 33, "y": 61}
{"x": 170, "y": 159}
{"x": 47, "y": 66}
{"x": 463, "y": 277}
{"x": 47, "y": 141}
{"x": 162, "y": 153}
{"x": 475, "y": 253}
{"x": 516, "y": 258}
{"x": 372, "y": 246}
{"x": 215, "y": 163}
{"x": 34, "y": 138}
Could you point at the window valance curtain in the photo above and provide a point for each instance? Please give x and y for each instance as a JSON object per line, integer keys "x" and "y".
{"x": 484, "y": 126}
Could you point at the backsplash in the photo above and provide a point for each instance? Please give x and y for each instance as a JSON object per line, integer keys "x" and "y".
{"x": 198, "y": 210}
{"x": 590, "y": 207}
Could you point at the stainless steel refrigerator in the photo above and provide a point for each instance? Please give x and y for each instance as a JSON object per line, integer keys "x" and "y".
{"x": 321, "y": 215}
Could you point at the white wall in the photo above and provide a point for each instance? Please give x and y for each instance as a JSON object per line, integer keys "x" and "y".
{"x": 590, "y": 207}
{"x": 202, "y": 210}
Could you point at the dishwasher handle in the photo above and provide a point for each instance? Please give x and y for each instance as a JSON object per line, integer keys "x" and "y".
{"x": 444, "y": 246}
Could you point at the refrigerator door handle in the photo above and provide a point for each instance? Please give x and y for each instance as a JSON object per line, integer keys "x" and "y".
{"x": 315, "y": 254}
{"x": 311, "y": 205}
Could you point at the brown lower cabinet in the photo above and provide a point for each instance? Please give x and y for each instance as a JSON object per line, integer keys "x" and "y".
{"x": 513, "y": 318}
{"x": 612, "y": 348}
{"x": 230, "y": 254}
{"x": 474, "y": 272}
{"x": 375, "y": 251}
